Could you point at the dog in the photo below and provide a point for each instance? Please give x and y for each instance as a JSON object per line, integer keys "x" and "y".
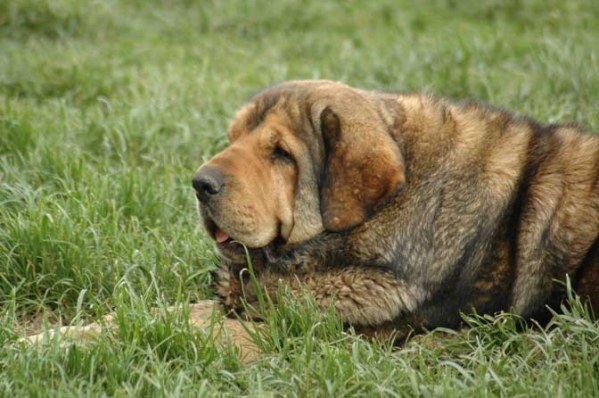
{"x": 402, "y": 211}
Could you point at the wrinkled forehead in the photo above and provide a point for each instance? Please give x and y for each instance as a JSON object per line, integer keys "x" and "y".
{"x": 293, "y": 100}
{"x": 270, "y": 107}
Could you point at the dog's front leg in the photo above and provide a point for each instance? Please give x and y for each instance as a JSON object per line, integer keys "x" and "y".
{"x": 363, "y": 294}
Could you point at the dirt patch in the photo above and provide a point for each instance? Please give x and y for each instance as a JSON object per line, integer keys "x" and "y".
{"x": 205, "y": 314}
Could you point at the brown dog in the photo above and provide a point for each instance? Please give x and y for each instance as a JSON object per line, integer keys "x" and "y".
{"x": 402, "y": 209}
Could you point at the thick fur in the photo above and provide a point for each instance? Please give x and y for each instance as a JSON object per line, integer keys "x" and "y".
{"x": 404, "y": 210}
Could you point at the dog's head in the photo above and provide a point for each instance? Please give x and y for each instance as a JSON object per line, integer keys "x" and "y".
{"x": 305, "y": 156}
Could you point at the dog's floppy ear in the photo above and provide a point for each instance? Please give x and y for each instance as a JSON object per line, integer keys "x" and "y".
{"x": 363, "y": 165}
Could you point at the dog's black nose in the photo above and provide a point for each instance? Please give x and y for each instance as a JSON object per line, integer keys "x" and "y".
{"x": 208, "y": 182}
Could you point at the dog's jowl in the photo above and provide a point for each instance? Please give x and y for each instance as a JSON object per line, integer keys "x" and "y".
{"x": 401, "y": 209}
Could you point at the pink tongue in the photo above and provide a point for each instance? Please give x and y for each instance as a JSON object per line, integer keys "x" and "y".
{"x": 220, "y": 236}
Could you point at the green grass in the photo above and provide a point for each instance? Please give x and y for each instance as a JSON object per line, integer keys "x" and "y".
{"x": 108, "y": 107}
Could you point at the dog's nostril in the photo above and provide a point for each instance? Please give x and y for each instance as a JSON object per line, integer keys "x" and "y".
{"x": 207, "y": 183}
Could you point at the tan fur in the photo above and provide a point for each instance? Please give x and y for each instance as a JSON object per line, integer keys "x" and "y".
{"x": 404, "y": 209}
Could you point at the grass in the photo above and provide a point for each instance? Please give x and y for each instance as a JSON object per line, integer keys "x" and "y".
{"x": 108, "y": 107}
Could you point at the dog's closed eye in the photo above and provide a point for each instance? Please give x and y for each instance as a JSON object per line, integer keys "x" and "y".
{"x": 281, "y": 155}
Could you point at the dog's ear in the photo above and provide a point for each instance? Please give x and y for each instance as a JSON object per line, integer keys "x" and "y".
{"x": 363, "y": 166}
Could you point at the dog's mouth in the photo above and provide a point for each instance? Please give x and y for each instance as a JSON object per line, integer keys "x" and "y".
{"x": 225, "y": 241}
{"x": 235, "y": 250}
{"x": 221, "y": 236}
{"x": 215, "y": 232}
